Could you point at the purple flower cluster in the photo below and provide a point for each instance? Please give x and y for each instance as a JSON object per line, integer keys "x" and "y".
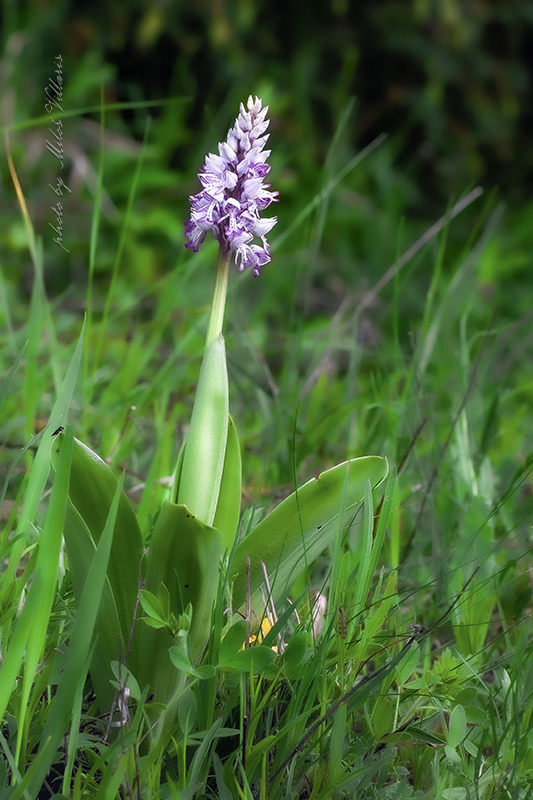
{"x": 233, "y": 193}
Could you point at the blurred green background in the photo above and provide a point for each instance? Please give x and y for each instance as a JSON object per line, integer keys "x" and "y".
{"x": 448, "y": 81}
{"x": 451, "y": 79}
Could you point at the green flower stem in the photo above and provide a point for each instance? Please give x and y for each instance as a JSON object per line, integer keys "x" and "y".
{"x": 218, "y": 305}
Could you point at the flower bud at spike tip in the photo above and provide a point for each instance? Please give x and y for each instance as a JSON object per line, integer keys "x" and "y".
{"x": 233, "y": 193}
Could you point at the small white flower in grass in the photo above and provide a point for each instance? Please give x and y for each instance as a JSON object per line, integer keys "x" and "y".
{"x": 234, "y": 194}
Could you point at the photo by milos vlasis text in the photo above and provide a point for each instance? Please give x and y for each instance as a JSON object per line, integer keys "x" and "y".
{"x": 233, "y": 193}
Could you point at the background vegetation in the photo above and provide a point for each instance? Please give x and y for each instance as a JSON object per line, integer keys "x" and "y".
{"x": 432, "y": 371}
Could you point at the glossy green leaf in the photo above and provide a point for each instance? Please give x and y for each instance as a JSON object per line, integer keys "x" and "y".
{"x": 451, "y": 755}
{"x": 253, "y": 659}
{"x": 382, "y": 717}
{"x": 205, "y": 449}
{"x": 229, "y": 500}
{"x": 300, "y": 528}
{"x": 154, "y": 622}
{"x": 475, "y": 716}
{"x": 125, "y": 679}
{"x": 182, "y": 662}
{"x": 295, "y": 653}
{"x": 151, "y": 606}
{"x": 466, "y": 696}
{"x": 187, "y": 711}
{"x": 456, "y": 726}
{"x": 233, "y": 640}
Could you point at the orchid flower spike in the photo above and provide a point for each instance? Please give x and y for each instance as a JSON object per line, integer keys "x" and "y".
{"x": 233, "y": 192}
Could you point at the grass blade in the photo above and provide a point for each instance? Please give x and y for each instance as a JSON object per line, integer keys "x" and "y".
{"x": 77, "y": 658}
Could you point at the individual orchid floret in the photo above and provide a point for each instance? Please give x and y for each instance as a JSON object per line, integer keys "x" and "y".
{"x": 233, "y": 193}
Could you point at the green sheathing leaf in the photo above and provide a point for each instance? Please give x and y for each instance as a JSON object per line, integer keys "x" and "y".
{"x": 184, "y": 556}
{"x": 229, "y": 500}
{"x": 91, "y": 491}
{"x": 108, "y": 647}
{"x": 299, "y": 529}
{"x": 203, "y": 460}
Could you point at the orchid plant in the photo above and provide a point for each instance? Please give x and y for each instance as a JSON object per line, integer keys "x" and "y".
{"x": 173, "y": 578}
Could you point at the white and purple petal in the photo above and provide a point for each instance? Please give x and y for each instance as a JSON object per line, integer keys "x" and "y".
{"x": 233, "y": 192}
